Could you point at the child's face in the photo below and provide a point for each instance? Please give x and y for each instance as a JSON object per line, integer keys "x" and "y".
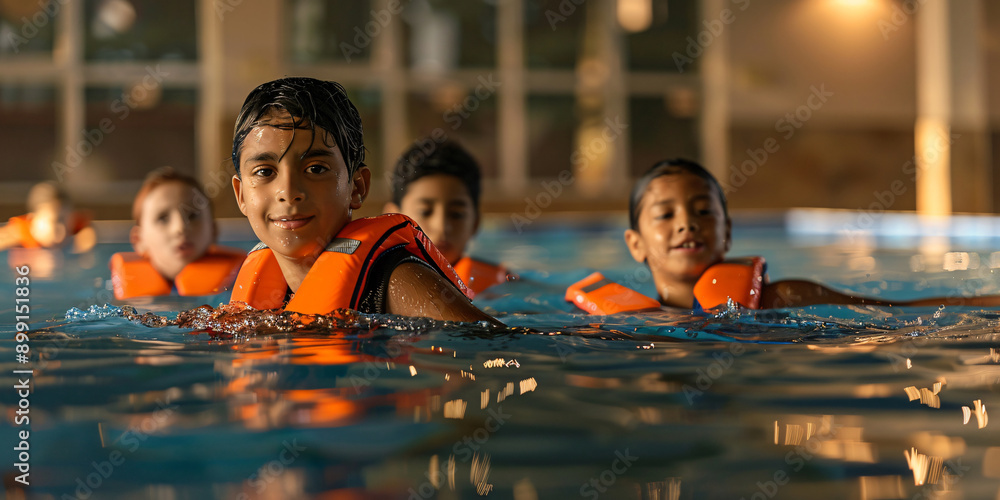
{"x": 50, "y": 224}
{"x": 682, "y": 228}
{"x": 442, "y": 207}
{"x": 175, "y": 227}
{"x": 295, "y": 189}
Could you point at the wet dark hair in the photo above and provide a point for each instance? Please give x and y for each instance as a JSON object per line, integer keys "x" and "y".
{"x": 311, "y": 103}
{"x": 670, "y": 167}
{"x": 447, "y": 157}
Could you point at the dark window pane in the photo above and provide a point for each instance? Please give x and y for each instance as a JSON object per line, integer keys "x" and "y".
{"x": 460, "y": 116}
{"x": 330, "y": 30}
{"x": 672, "y": 23}
{"x": 662, "y": 128}
{"x": 440, "y": 35}
{"x": 134, "y": 130}
{"x": 27, "y": 27}
{"x": 551, "y": 124}
{"x": 552, "y": 33}
{"x": 143, "y": 30}
{"x": 27, "y": 132}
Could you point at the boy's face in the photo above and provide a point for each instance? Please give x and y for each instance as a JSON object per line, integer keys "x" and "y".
{"x": 295, "y": 189}
{"x": 682, "y": 228}
{"x": 175, "y": 227}
{"x": 442, "y": 207}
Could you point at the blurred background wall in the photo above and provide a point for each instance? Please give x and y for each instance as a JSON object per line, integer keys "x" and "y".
{"x": 791, "y": 103}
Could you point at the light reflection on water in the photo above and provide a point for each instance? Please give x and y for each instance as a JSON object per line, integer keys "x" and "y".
{"x": 808, "y": 403}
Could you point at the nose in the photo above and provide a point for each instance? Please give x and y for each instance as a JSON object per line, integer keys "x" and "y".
{"x": 289, "y": 187}
{"x": 684, "y": 222}
{"x": 178, "y": 222}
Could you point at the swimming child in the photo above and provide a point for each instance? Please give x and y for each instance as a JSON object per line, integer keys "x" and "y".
{"x": 173, "y": 238}
{"x": 298, "y": 150}
{"x": 440, "y": 191}
{"x": 51, "y": 222}
{"x": 680, "y": 227}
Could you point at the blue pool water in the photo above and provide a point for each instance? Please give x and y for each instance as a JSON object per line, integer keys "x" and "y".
{"x": 819, "y": 402}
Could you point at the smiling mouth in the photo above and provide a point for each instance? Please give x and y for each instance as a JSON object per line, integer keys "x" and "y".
{"x": 291, "y": 222}
{"x": 689, "y": 246}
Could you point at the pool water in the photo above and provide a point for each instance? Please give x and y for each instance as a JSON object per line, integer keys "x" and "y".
{"x": 818, "y": 402}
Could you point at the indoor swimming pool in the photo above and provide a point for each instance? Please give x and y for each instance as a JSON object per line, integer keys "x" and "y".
{"x": 818, "y": 402}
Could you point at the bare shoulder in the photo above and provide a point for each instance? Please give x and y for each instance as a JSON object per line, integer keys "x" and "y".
{"x": 417, "y": 290}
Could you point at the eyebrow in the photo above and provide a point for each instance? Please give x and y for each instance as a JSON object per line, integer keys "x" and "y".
{"x": 269, "y": 156}
{"x": 315, "y": 153}
{"x": 263, "y": 156}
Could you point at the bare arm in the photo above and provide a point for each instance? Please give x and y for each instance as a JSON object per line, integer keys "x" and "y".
{"x": 800, "y": 293}
{"x": 416, "y": 290}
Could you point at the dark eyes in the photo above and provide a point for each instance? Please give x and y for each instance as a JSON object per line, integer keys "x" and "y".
{"x": 312, "y": 169}
{"x": 263, "y": 172}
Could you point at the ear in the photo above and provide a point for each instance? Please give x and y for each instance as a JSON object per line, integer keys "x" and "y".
{"x": 391, "y": 208}
{"x": 237, "y": 188}
{"x": 636, "y": 247}
{"x": 362, "y": 181}
{"x": 729, "y": 234}
{"x": 136, "y": 240}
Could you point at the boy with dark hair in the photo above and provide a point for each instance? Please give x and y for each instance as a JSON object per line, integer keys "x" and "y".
{"x": 440, "y": 190}
{"x": 680, "y": 228}
{"x": 299, "y": 155}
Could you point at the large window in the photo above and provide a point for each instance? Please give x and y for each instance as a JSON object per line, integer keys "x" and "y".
{"x": 96, "y": 93}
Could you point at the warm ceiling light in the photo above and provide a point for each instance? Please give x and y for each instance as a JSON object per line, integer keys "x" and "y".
{"x": 635, "y": 15}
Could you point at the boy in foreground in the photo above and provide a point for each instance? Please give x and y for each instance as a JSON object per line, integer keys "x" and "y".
{"x": 299, "y": 156}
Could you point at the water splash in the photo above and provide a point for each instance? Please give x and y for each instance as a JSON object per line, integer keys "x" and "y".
{"x": 93, "y": 313}
{"x": 243, "y": 320}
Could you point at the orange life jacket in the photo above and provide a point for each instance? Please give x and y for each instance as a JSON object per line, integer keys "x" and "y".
{"x": 339, "y": 276}
{"x": 479, "y": 275}
{"x": 598, "y": 295}
{"x": 132, "y": 275}
{"x": 740, "y": 280}
{"x": 22, "y": 227}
